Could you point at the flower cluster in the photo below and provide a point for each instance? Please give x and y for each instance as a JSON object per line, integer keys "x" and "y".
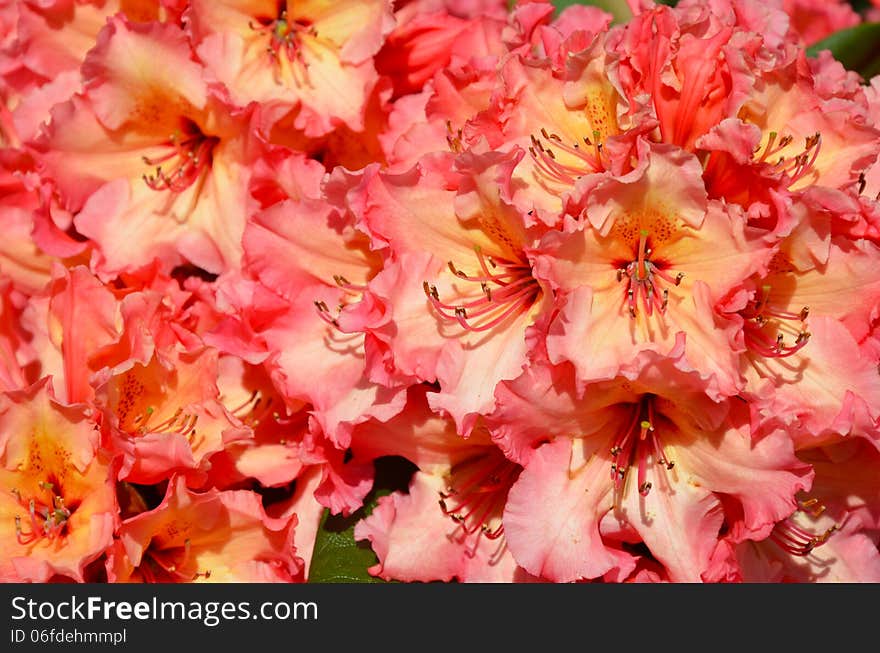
{"x": 613, "y": 290}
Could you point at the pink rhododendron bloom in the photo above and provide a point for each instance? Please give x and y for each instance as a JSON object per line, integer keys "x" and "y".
{"x": 599, "y": 290}
{"x": 460, "y": 277}
{"x": 644, "y": 273}
{"x": 149, "y": 158}
{"x": 57, "y": 498}
{"x": 646, "y": 460}
{"x": 564, "y": 111}
{"x": 165, "y": 416}
{"x": 205, "y": 537}
{"x": 310, "y": 58}
{"x": 294, "y": 312}
{"x": 832, "y": 536}
{"x": 312, "y": 291}
{"x": 448, "y": 525}
{"x": 272, "y": 455}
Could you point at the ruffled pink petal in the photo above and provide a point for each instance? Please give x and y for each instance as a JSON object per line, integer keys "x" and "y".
{"x": 415, "y": 541}
{"x": 292, "y": 244}
{"x": 552, "y": 516}
{"x": 124, "y": 83}
{"x": 49, "y": 453}
{"x": 826, "y": 390}
{"x": 762, "y": 474}
{"x": 418, "y": 434}
{"x": 211, "y": 536}
{"x": 83, "y": 317}
{"x": 690, "y": 332}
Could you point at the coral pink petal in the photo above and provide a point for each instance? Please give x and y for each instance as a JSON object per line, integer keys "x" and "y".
{"x": 552, "y": 516}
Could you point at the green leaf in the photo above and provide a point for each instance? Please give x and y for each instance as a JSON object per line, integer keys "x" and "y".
{"x": 617, "y": 8}
{"x": 857, "y": 48}
{"x": 337, "y": 557}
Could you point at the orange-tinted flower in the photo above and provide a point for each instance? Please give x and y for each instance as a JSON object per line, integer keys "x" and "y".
{"x": 57, "y": 499}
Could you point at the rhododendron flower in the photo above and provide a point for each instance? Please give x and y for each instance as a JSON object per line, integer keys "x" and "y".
{"x": 599, "y": 291}
{"x": 831, "y": 537}
{"x": 647, "y": 270}
{"x": 150, "y": 159}
{"x": 648, "y": 459}
{"x": 57, "y": 498}
{"x": 803, "y": 365}
{"x": 312, "y": 58}
{"x": 448, "y": 524}
{"x": 329, "y": 272}
{"x": 206, "y": 537}
{"x": 165, "y": 416}
{"x": 460, "y": 277}
{"x": 272, "y": 455}
{"x": 566, "y": 114}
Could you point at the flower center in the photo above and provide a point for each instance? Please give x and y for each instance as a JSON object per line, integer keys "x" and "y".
{"x": 635, "y": 444}
{"x": 645, "y": 280}
{"x": 48, "y": 515}
{"x": 475, "y": 495}
{"x": 285, "y": 38}
{"x": 180, "y": 423}
{"x": 187, "y": 158}
{"x": 507, "y": 290}
{"x": 170, "y": 565}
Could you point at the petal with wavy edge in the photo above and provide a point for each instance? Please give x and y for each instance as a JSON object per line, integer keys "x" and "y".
{"x": 415, "y": 541}
{"x": 553, "y": 511}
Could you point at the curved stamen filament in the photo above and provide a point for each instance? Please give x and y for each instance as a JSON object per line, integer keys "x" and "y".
{"x": 758, "y": 317}
{"x": 347, "y": 285}
{"x": 188, "y": 158}
{"x": 797, "y": 541}
{"x": 645, "y": 279}
{"x": 770, "y": 150}
{"x": 476, "y": 493}
{"x": 171, "y": 563}
{"x": 641, "y": 268}
{"x": 634, "y": 444}
{"x": 353, "y": 292}
{"x": 508, "y": 291}
{"x": 543, "y": 153}
{"x": 804, "y": 162}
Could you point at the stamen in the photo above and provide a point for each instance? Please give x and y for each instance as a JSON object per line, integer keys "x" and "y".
{"x": 508, "y": 291}
{"x": 580, "y": 161}
{"x": 188, "y": 157}
{"x": 797, "y": 541}
{"x": 285, "y": 37}
{"x": 797, "y": 166}
{"x": 757, "y": 318}
{"x": 628, "y": 450}
{"x": 479, "y": 485}
{"x": 47, "y": 519}
{"x": 642, "y": 270}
